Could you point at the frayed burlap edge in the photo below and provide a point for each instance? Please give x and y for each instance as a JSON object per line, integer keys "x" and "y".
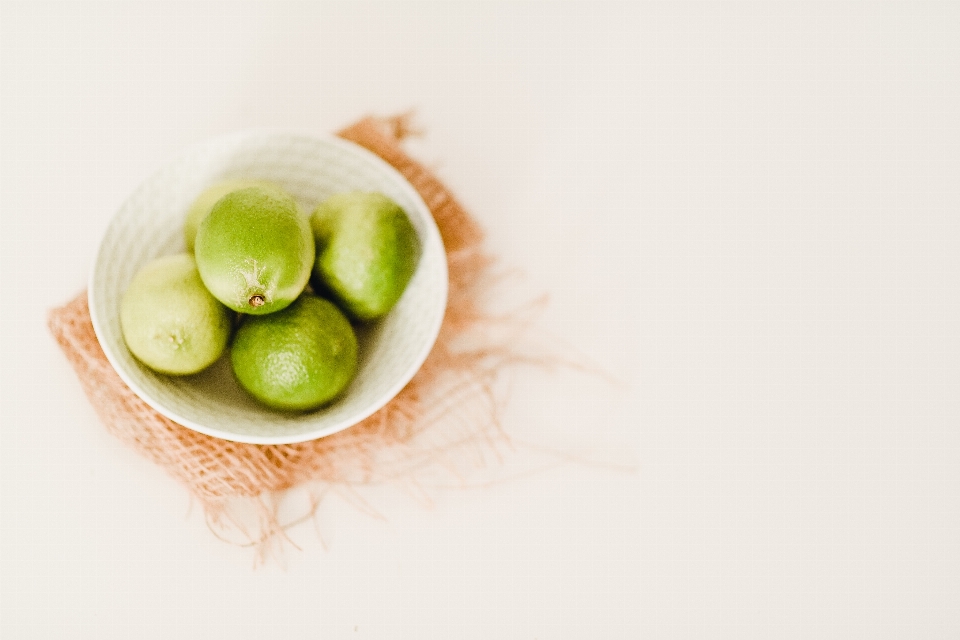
{"x": 451, "y": 399}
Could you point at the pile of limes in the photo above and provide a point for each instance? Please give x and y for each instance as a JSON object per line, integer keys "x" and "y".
{"x": 287, "y": 286}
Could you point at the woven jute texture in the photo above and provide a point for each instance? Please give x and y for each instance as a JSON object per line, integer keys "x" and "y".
{"x": 449, "y": 405}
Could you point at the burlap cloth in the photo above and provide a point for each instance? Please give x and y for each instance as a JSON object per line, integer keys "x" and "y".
{"x": 449, "y": 406}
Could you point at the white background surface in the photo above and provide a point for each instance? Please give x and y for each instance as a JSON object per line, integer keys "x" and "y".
{"x": 748, "y": 213}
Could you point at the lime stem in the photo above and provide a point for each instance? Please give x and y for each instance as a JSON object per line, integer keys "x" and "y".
{"x": 256, "y": 300}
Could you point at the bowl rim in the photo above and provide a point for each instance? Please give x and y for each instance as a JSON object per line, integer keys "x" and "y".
{"x": 431, "y": 231}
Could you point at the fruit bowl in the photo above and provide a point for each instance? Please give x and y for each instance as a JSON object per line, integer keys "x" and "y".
{"x": 311, "y": 169}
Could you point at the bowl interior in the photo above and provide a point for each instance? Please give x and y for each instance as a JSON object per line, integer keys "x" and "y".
{"x": 150, "y": 224}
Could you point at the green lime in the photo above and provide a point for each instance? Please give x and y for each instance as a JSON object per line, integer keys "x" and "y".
{"x": 170, "y": 321}
{"x": 205, "y": 201}
{"x": 367, "y": 251}
{"x": 296, "y": 359}
{"x": 255, "y": 250}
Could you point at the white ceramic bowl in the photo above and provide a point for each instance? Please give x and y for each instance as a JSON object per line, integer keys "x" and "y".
{"x": 150, "y": 224}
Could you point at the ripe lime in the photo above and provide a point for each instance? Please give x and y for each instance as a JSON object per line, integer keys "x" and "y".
{"x": 205, "y": 201}
{"x": 170, "y": 321}
{"x": 367, "y": 251}
{"x": 296, "y": 359}
{"x": 255, "y": 250}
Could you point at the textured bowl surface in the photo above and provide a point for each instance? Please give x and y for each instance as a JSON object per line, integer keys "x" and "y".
{"x": 150, "y": 224}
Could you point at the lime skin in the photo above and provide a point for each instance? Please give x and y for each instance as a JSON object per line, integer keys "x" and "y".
{"x": 297, "y": 359}
{"x": 255, "y": 250}
{"x": 367, "y": 252}
{"x": 205, "y": 201}
{"x": 169, "y": 320}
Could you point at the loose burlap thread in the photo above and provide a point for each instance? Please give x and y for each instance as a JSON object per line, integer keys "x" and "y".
{"x": 451, "y": 398}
